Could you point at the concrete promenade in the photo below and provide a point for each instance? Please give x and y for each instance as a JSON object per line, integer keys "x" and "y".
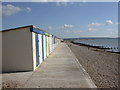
{"x": 60, "y": 70}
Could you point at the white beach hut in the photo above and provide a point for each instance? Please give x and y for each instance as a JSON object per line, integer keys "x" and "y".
{"x": 23, "y": 48}
{"x": 44, "y": 41}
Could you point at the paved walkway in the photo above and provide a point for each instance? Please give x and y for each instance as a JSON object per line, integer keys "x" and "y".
{"x": 60, "y": 70}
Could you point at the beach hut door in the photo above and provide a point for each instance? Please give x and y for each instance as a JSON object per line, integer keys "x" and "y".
{"x": 42, "y": 47}
{"x": 37, "y": 49}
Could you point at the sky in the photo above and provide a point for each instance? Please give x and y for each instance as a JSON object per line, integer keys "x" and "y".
{"x": 64, "y": 19}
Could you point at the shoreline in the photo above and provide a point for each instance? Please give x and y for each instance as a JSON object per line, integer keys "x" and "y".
{"x": 102, "y": 66}
{"x": 96, "y": 47}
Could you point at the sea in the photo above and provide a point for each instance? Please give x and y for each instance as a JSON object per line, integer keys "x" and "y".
{"x": 111, "y": 43}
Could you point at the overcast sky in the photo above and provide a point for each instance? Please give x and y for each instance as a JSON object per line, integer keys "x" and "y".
{"x": 66, "y": 19}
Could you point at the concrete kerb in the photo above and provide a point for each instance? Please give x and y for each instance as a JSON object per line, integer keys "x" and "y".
{"x": 87, "y": 77}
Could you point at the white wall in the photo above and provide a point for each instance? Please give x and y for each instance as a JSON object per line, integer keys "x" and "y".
{"x": 17, "y": 50}
{"x": 50, "y": 43}
{"x": 34, "y": 50}
{"x": 40, "y": 47}
{"x": 53, "y": 43}
{"x": 47, "y": 49}
{"x": 44, "y": 46}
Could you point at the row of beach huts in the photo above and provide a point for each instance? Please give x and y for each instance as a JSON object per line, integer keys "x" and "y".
{"x": 25, "y": 48}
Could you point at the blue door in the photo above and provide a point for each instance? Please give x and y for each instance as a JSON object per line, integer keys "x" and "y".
{"x": 37, "y": 49}
{"x": 42, "y": 47}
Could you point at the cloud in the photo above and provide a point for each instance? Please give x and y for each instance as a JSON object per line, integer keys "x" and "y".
{"x": 55, "y": 28}
{"x": 63, "y": 3}
{"x": 65, "y": 26}
{"x": 74, "y": 31}
{"x": 117, "y": 23}
{"x": 95, "y": 24}
{"x": 28, "y": 9}
{"x": 109, "y": 29}
{"x": 57, "y": 2}
{"x": 40, "y": 0}
{"x": 50, "y": 28}
{"x": 109, "y": 22}
{"x": 8, "y": 10}
{"x": 91, "y": 29}
{"x": 60, "y": 0}
{"x": 68, "y": 26}
{"x": 50, "y": 0}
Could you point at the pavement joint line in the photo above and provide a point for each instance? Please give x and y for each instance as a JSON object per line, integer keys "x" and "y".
{"x": 87, "y": 77}
{"x": 28, "y": 79}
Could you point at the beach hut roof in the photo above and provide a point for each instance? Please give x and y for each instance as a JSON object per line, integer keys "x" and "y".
{"x": 17, "y": 28}
{"x": 46, "y": 33}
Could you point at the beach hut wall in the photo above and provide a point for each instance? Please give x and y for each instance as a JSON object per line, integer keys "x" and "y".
{"x": 44, "y": 37}
{"x": 40, "y": 48}
{"x": 24, "y": 48}
{"x": 50, "y": 43}
{"x": 47, "y": 46}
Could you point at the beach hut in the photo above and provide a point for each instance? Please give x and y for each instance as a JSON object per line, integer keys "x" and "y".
{"x": 56, "y": 41}
{"x": 40, "y": 47}
{"x": 44, "y": 41}
{"x": 43, "y": 52}
{"x": 24, "y": 48}
{"x": 53, "y": 42}
{"x": 47, "y": 44}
